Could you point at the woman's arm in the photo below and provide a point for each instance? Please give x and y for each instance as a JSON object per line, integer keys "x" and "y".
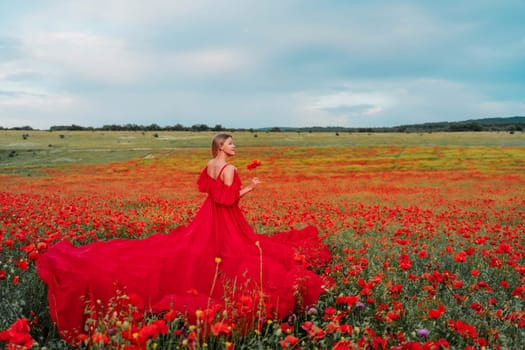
{"x": 227, "y": 179}
{"x": 254, "y": 182}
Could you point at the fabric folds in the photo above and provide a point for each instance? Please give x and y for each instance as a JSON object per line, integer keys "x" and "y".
{"x": 216, "y": 260}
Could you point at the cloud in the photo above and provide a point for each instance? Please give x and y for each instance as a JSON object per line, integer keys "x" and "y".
{"x": 125, "y": 12}
{"x": 35, "y": 108}
{"x": 358, "y": 101}
{"x": 9, "y": 49}
{"x": 211, "y": 61}
{"x": 84, "y": 56}
{"x": 252, "y": 63}
{"x": 373, "y": 103}
{"x": 35, "y": 100}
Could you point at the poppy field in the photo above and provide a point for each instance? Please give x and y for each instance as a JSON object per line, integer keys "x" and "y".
{"x": 428, "y": 240}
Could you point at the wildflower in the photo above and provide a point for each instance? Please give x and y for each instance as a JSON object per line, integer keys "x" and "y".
{"x": 460, "y": 298}
{"x": 412, "y": 277}
{"x": 18, "y": 334}
{"x": 82, "y": 337}
{"x": 422, "y": 333}
{"x": 396, "y": 289}
{"x": 170, "y": 315}
{"x": 442, "y": 343}
{"x": 392, "y": 316}
{"x": 307, "y": 326}
{"x": 198, "y": 313}
{"x": 366, "y": 287}
{"x": 253, "y": 164}
{"x": 312, "y": 311}
{"x": 100, "y": 338}
{"x": 22, "y": 264}
{"x": 379, "y": 343}
{"x": 291, "y": 319}
{"x": 343, "y": 344}
{"x": 495, "y": 262}
{"x": 519, "y": 291}
{"x": 460, "y": 257}
{"x": 504, "y": 248}
{"x": 404, "y": 262}
{"x": 221, "y": 328}
{"x": 317, "y": 333}
{"x": 161, "y": 326}
{"x": 436, "y": 313}
{"x": 9, "y": 243}
{"x": 457, "y": 284}
{"x": 286, "y": 328}
{"x": 150, "y": 331}
{"x": 465, "y": 329}
{"x": 478, "y": 308}
{"x": 289, "y": 341}
{"x": 349, "y": 300}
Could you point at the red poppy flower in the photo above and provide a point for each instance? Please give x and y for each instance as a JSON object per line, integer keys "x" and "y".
{"x": 221, "y": 328}
{"x": 99, "y": 338}
{"x": 170, "y": 315}
{"x": 289, "y": 341}
{"x": 253, "y": 164}
{"x": 436, "y": 313}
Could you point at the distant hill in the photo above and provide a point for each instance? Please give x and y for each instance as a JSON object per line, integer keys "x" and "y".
{"x": 497, "y": 120}
{"x": 516, "y": 123}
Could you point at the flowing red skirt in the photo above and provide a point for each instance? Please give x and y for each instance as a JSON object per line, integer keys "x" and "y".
{"x": 216, "y": 260}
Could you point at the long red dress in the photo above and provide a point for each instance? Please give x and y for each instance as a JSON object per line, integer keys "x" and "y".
{"x": 218, "y": 258}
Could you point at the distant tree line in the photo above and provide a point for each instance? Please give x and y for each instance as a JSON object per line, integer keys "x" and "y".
{"x": 489, "y": 124}
{"x": 137, "y": 127}
{"x": 127, "y": 127}
{"x": 510, "y": 124}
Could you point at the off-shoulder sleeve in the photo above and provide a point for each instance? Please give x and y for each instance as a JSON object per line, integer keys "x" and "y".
{"x": 203, "y": 182}
{"x": 227, "y": 195}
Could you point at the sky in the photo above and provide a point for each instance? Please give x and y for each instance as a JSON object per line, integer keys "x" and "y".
{"x": 251, "y": 64}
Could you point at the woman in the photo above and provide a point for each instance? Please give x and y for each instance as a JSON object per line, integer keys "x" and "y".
{"x": 216, "y": 261}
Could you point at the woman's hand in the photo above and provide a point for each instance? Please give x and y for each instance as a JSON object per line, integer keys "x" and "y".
{"x": 253, "y": 183}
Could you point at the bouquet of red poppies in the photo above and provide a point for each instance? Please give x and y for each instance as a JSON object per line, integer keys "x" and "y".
{"x": 253, "y": 164}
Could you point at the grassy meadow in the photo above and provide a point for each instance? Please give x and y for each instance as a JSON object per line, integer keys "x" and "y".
{"x": 426, "y": 231}
{"x": 37, "y": 148}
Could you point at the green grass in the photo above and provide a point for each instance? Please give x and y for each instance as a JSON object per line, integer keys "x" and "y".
{"x": 20, "y": 150}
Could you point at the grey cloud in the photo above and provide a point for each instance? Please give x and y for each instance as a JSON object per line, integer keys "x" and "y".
{"x": 346, "y": 109}
{"x": 10, "y": 49}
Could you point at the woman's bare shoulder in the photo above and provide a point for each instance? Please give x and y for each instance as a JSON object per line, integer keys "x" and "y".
{"x": 230, "y": 168}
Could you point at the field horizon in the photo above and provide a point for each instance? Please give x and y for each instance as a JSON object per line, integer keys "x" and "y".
{"x": 26, "y": 149}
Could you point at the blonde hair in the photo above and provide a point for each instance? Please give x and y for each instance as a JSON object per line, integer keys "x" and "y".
{"x": 217, "y": 142}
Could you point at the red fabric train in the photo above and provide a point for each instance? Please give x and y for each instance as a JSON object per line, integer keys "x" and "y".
{"x": 217, "y": 257}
